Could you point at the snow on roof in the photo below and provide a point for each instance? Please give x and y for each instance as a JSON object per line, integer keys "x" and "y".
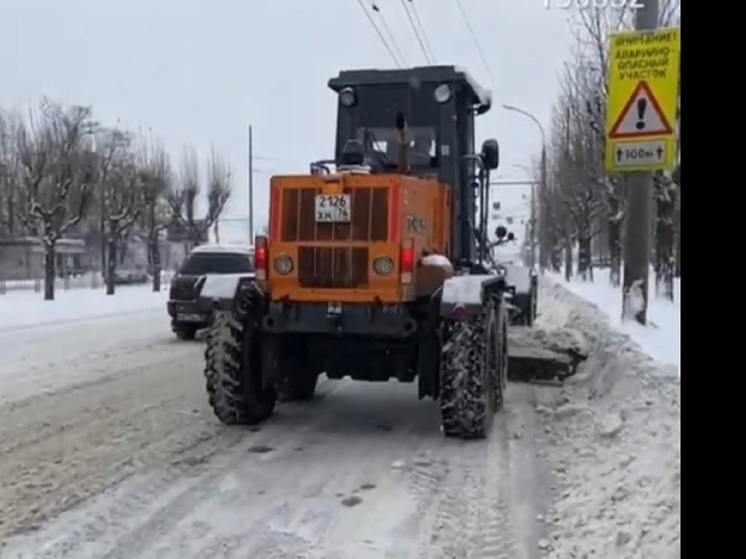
{"x": 222, "y": 286}
{"x": 485, "y": 95}
{"x": 436, "y": 260}
{"x": 240, "y": 249}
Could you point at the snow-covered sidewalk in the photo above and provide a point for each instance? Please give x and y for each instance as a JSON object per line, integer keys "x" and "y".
{"x": 27, "y": 308}
{"x": 661, "y": 339}
{"x": 615, "y": 436}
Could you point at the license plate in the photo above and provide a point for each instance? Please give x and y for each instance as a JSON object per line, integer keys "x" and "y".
{"x": 189, "y": 317}
{"x": 334, "y": 308}
{"x": 333, "y": 208}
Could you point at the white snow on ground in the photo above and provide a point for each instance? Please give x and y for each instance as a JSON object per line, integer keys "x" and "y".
{"x": 28, "y": 308}
{"x": 110, "y": 450}
{"x": 615, "y": 436}
{"x": 661, "y": 338}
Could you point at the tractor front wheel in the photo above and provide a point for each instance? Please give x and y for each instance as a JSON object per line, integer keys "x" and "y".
{"x": 470, "y": 379}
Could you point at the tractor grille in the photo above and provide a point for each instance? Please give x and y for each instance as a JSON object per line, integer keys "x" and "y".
{"x": 333, "y": 267}
{"x": 369, "y": 217}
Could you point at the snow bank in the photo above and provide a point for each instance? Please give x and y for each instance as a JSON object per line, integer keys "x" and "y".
{"x": 614, "y": 435}
{"x": 27, "y": 308}
{"x": 661, "y": 339}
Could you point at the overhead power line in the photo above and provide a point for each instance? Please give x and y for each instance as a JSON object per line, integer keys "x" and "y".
{"x": 388, "y": 31}
{"x": 476, "y": 41}
{"x": 378, "y": 31}
{"x": 422, "y": 30}
{"x": 416, "y": 32}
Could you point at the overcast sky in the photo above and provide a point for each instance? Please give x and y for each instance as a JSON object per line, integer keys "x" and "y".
{"x": 198, "y": 71}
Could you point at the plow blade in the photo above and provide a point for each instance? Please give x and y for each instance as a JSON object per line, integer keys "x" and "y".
{"x": 530, "y": 358}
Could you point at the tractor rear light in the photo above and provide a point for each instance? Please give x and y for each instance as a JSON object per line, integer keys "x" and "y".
{"x": 383, "y": 265}
{"x": 260, "y": 258}
{"x": 283, "y": 264}
{"x": 406, "y": 263}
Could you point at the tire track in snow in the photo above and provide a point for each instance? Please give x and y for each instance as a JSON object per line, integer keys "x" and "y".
{"x": 278, "y": 492}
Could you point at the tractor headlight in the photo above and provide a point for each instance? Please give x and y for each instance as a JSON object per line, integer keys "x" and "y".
{"x": 383, "y": 265}
{"x": 347, "y": 97}
{"x": 442, "y": 93}
{"x": 283, "y": 264}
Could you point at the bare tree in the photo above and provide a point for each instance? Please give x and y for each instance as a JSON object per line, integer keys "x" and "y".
{"x": 111, "y": 145}
{"x": 584, "y": 200}
{"x": 185, "y": 199}
{"x": 9, "y": 176}
{"x": 122, "y": 200}
{"x": 56, "y": 168}
{"x": 159, "y": 201}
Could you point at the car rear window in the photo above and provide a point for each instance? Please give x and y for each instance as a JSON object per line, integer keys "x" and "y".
{"x": 201, "y": 263}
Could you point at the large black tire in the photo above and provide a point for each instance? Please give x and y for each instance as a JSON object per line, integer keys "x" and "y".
{"x": 499, "y": 358}
{"x": 233, "y": 373}
{"x": 186, "y": 332}
{"x": 469, "y": 374}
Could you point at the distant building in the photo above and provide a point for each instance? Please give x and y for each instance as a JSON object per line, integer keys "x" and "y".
{"x": 23, "y": 258}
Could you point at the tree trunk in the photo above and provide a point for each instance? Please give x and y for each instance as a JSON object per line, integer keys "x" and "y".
{"x": 677, "y": 212}
{"x": 584, "y": 254}
{"x": 664, "y": 243}
{"x": 567, "y": 242}
{"x": 104, "y": 242}
{"x": 111, "y": 261}
{"x": 50, "y": 261}
{"x": 154, "y": 255}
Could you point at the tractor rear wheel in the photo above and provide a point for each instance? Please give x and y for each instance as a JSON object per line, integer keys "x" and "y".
{"x": 233, "y": 372}
{"x": 468, "y": 374}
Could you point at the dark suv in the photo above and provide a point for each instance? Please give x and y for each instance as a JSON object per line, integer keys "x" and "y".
{"x": 186, "y": 316}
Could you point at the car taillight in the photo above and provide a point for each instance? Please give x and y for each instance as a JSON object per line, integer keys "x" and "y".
{"x": 406, "y": 261}
{"x": 260, "y": 258}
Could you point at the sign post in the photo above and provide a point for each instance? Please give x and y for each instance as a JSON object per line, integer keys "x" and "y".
{"x": 640, "y": 136}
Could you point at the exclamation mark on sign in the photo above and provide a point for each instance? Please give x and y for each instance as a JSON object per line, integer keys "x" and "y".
{"x": 642, "y": 104}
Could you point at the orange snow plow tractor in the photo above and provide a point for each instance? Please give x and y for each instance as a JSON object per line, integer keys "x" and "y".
{"x": 372, "y": 268}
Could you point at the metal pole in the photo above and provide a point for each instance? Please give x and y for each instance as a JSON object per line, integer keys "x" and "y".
{"x": 639, "y": 213}
{"x": 544, "y": 214}
{"x": 251, "y": 186}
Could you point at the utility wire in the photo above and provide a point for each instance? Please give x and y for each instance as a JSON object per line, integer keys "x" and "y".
{"x": 416, "y": 32}
{"x": 422, "y": 30}
{"x": 388, "y": 31}
{"x": 378, "y": 31}
{"x": 476, "y": 41}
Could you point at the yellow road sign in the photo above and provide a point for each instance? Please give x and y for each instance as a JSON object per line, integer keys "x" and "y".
{"x": 642, "y": 99}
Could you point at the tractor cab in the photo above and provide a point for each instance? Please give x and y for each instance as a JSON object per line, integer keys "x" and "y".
{"x": 420, "y": 121}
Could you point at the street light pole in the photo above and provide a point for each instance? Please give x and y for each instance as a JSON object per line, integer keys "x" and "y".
{"x": 251, "y": 186}
{"x": 543, "y": 213}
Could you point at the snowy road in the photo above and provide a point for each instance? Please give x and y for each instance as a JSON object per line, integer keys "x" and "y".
{"x": 108, "y": 446}
{"x": 108, "y": 450}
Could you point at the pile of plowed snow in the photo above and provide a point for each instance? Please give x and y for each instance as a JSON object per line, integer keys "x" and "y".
{"x": 614, "y": 434}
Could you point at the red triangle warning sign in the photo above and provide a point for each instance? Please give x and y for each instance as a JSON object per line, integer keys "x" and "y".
{"x": 641, "y": 116}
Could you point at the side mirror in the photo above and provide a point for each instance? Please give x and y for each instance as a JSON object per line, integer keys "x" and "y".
{"x": 501, "y": 231}
{"x": 491, "y": 154}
